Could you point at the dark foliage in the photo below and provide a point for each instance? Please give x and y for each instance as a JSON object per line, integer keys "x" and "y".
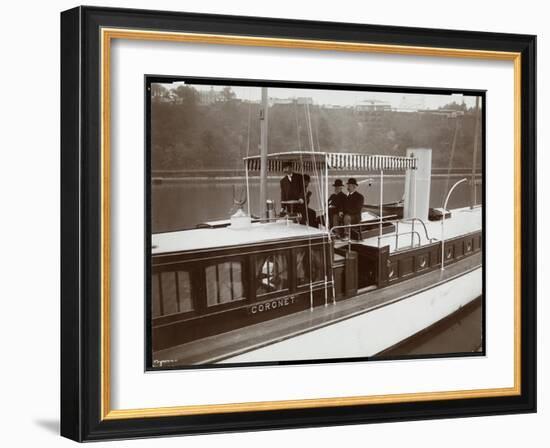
{"x": 190, "y": 134}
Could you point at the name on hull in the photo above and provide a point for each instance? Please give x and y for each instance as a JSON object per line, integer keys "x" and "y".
{"x": 271, "y": 305}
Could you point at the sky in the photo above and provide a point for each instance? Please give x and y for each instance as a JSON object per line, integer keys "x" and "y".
{"x": 347, "y": 98}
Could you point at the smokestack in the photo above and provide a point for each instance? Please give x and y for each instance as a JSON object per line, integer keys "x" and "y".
{"x": 417, "y": 184}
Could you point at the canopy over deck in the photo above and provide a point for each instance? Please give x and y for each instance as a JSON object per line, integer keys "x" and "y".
{"x": 309, "y": 161}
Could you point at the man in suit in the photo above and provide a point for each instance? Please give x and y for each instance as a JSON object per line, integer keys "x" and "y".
{"x": 292, "y": 189}
{"x": 353, "y": 205}
{"x": 336, "y": 203}
{"x": 311, "y": 216}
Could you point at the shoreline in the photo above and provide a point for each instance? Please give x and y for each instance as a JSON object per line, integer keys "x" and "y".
{"x": 160, "y": 179}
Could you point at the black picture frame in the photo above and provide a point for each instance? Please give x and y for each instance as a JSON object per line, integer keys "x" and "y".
{"x": 83, "y": 409}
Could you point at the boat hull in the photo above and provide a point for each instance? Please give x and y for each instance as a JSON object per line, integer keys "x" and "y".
{"x": 372, "y": 332}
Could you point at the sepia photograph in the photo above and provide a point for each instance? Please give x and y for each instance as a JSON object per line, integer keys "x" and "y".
{"x": 292, "y": 223}
{"x": 275, "y": 222}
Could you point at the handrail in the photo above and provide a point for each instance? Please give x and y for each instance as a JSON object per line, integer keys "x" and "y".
{"x": 361, "y": 224}
{"x": 431, "y": 240}
{"x": 412, "y": 233}
{"x": 379, "y": 221}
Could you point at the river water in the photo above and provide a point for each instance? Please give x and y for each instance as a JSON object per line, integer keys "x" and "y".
{"x": 460, "y": 333}
{"x": 178, "y": 204}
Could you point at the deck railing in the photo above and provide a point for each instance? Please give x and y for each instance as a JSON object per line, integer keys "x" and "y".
{"x": 413, "y": 220}
{"x": 398, "y": 234}
{"x": 380, "y": 221}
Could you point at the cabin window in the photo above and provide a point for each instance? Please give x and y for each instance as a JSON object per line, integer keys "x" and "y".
{"x": 224, "y": 283}
{"x": 306, "y": 257}
{"x": 271, "y": 273}
{"x": 171, "y": 293}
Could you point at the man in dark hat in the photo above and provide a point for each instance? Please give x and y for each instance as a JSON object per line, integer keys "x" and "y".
{"x": 292, "y": 189}
{"x": 336, "y": 203}
{"x": 354, "y": 204}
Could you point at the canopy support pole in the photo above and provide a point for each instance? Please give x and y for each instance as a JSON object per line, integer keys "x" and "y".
{"x": 415, "y": 214}
{"x": 381, "y": 202}
{"x": 325, "y": 202}
{"x": 263, "y": 154}
{"x": 247, "y": 187}
{"x": 473, "y": 189}
{"x": 325, "y": 206}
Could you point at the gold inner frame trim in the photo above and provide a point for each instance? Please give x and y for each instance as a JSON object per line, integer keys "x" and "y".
{"x": 107, "y": 35}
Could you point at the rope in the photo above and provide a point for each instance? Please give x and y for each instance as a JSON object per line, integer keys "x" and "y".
{"x": 324, "y": 199}
{"x": 247, "y": 154}
{"x": 297, "y": 126}
{"x": 307, "y": 215}
{"x": 307, "y": 223}
{"x": 451, "y": 157}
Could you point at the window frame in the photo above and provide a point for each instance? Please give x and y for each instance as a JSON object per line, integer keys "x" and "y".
{"x": 290, "y": 275}
{"x": 157, "y": 271}
{"x": 327, "y": 255}
{"x": 232, "y": 304}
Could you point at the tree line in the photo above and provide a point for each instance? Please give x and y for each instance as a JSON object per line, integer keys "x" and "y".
{"x": 189, "y": 133}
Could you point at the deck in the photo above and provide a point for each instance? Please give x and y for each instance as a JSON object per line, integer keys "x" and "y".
{"x": 200, "y": 239}
{"x": 462, "y": 222}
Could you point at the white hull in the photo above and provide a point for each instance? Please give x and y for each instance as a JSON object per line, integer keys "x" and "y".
{"x": 374, "y": 331}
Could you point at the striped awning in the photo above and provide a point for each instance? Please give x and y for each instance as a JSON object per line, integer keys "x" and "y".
{"x": 317, "y": 161}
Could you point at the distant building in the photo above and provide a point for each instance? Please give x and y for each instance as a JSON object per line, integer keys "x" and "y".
{"x": 373, "y": 106}
{"x": 207, "y": 97}
{"x": 448, "y": 113}
{"x": 411, "y": 103}
{"x": 293, "y": 100}
{"x": 335, "y": 106}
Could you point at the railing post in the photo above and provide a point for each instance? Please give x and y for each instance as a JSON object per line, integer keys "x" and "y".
{"x": 247, "y": 188}
{"x": 443, "y": 222}
{"x": 381, "y": 199}
{"x": 396, "y": 235}
{"x": 443, "y": 242}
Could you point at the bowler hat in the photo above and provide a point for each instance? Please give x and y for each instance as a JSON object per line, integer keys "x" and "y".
{"x": 352, "y": 181}
{"x": 338, "y": 183}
